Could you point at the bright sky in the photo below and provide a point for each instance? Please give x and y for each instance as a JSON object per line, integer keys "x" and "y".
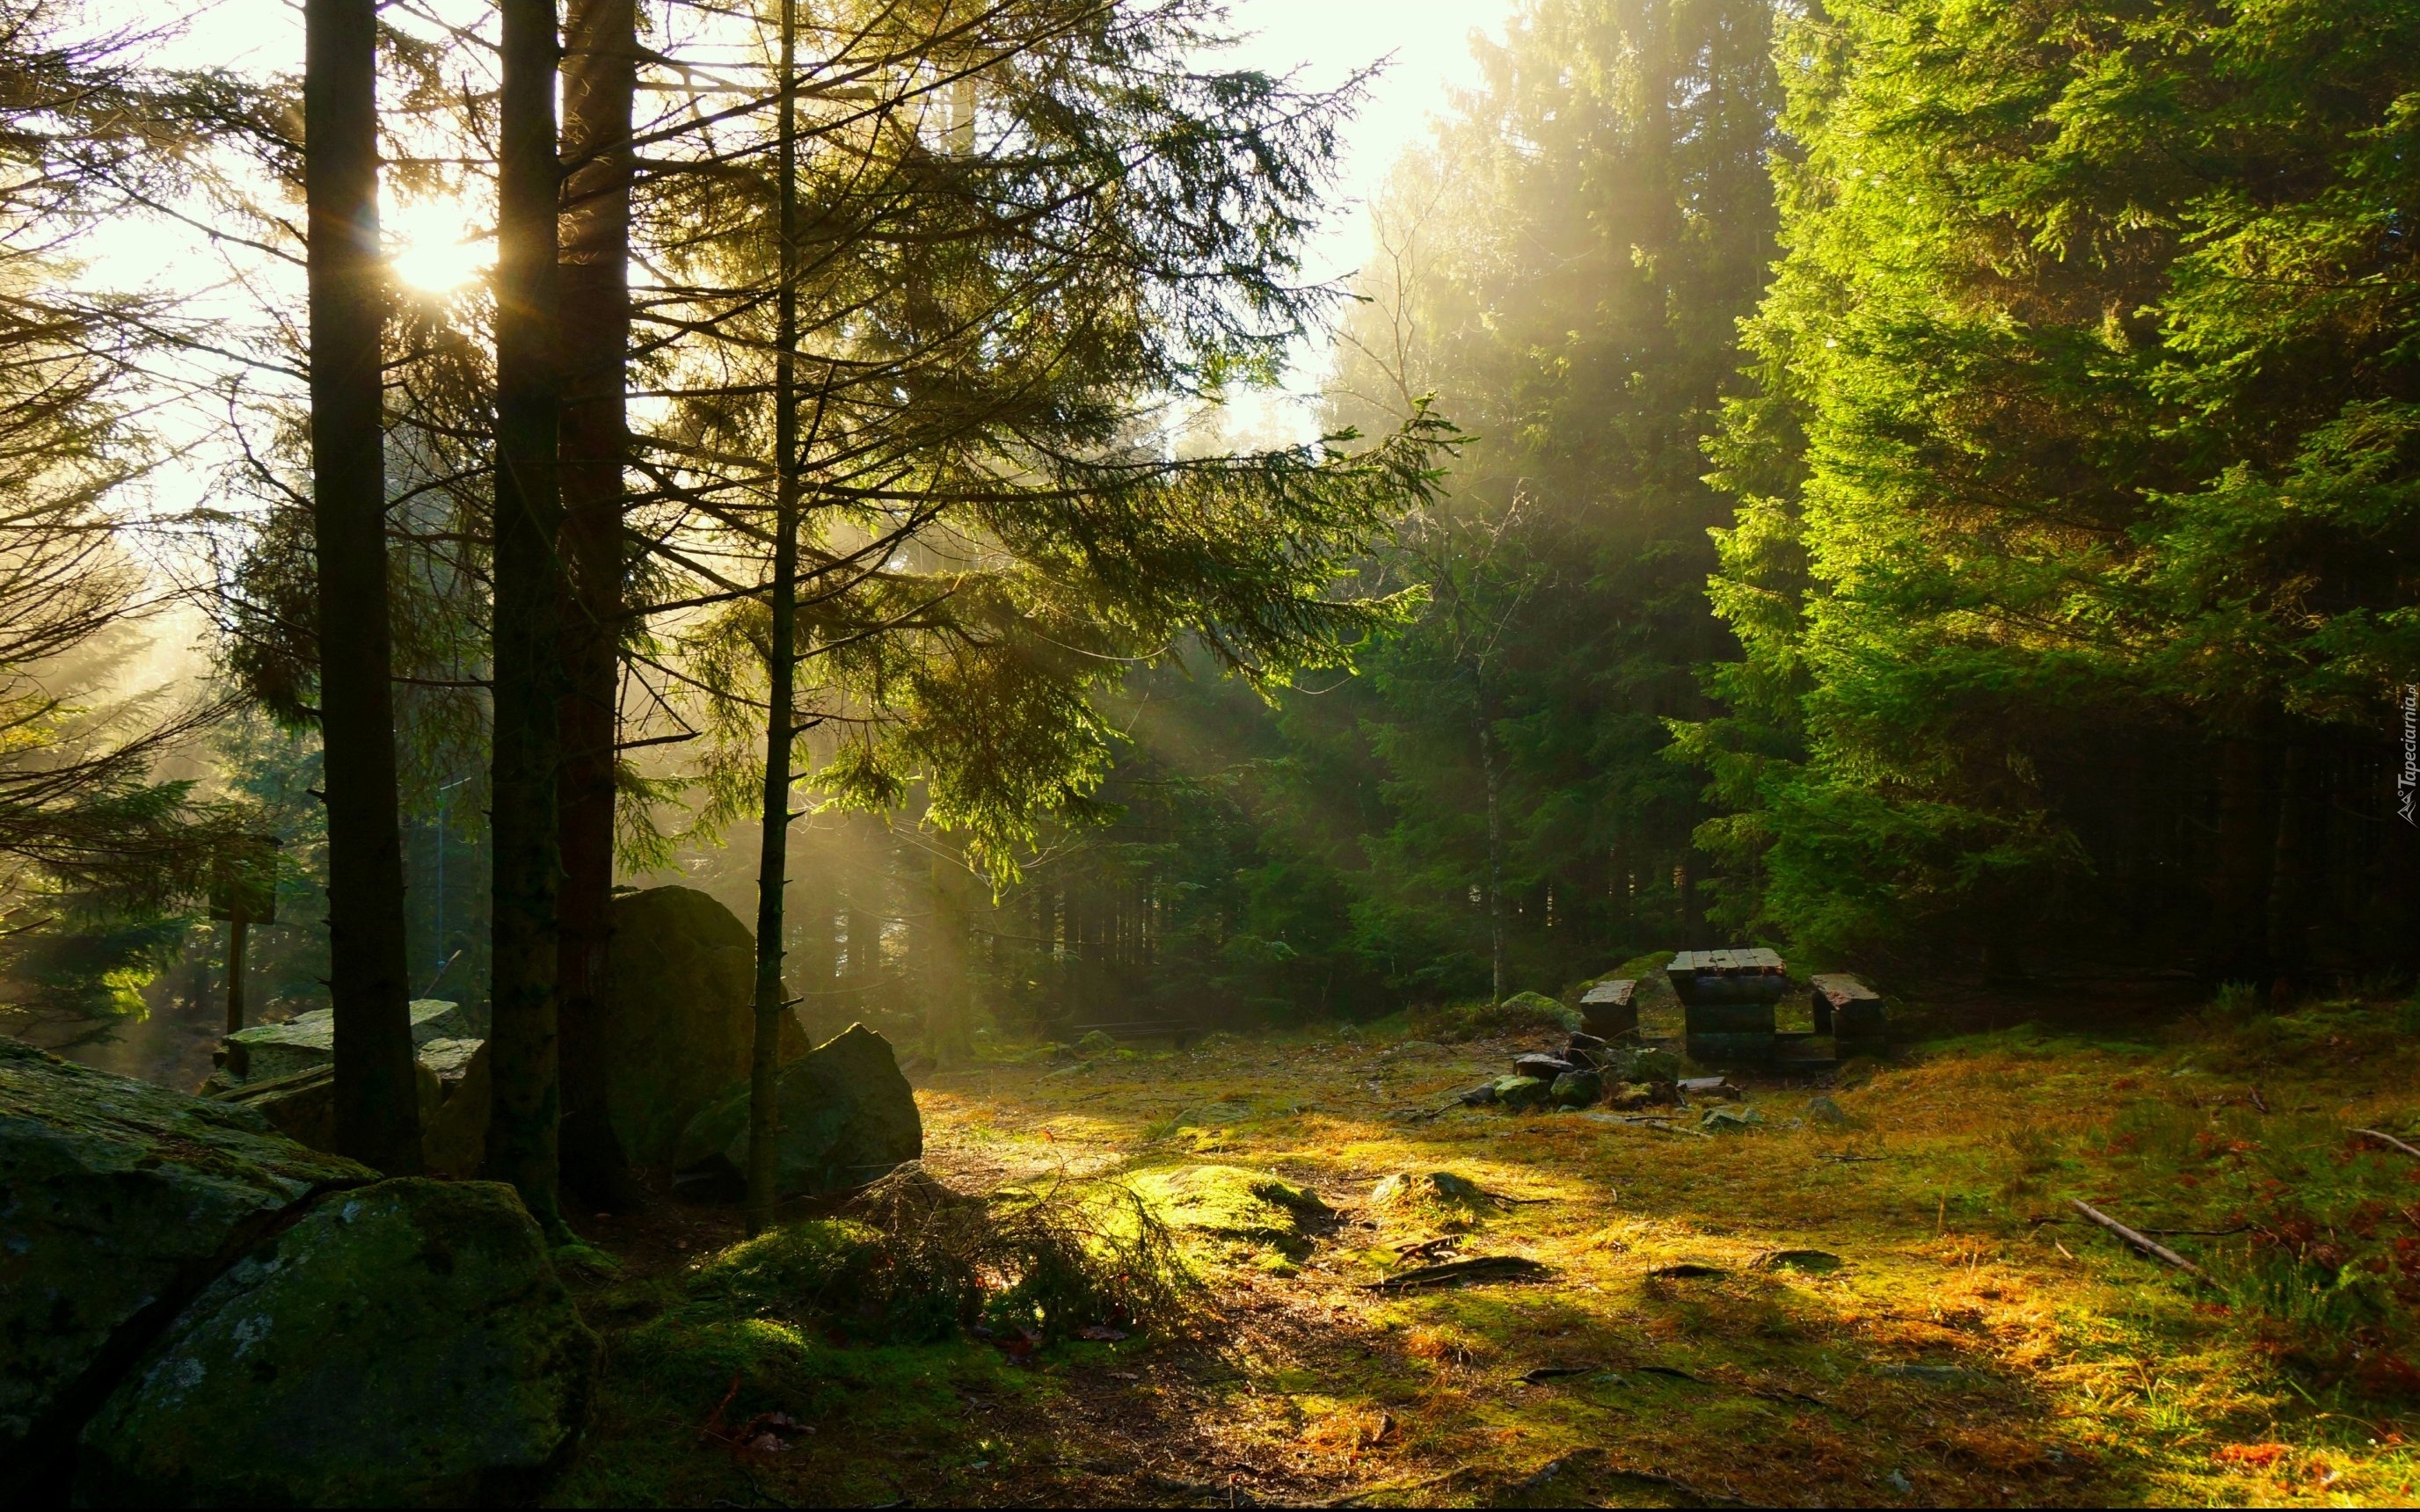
{"x": 1426, "y": 44}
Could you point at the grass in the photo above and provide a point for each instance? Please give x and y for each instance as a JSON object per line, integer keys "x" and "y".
{"x": 1975, "y": 1344}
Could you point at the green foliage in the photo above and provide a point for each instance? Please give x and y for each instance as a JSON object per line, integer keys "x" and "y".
{"x": 1485, "y": 807}
{"x": 2086, "y": 391}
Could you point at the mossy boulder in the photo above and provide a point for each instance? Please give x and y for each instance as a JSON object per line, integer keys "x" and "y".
{"x": 1546, "y": 1008}
{"x": 1577, "y": 1089}
{"x": 1517, "y": 1092}
{"x": 848, "y": 1119}
{"x": 118, "y": 1199}
{"x": 678, "y": 1015}
{"x": 404, "y": 1344}
{"x": 1229, "y": 1202}
{"x": 1432, "y": 1190}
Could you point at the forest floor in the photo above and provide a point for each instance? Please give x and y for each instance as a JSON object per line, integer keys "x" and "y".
{"x": 1959, "y": 1337}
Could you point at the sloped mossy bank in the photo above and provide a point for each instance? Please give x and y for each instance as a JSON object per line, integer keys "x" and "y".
{"x": 862, "y": 1356}
{"x": 201, "y": 1312}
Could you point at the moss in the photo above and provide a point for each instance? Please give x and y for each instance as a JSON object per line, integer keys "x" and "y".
{"x": 406, "y": 1344}
{"x": 113, "y": 1195}
{"x": 1228, "y": 1202}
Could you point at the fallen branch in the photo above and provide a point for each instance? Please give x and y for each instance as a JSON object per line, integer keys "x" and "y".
{"x": 1481, "y": 1268}
{"x": 1557, "y": 1372}
{"x": 2389, "y": 1141}
{"x": 2141, "y": 1243}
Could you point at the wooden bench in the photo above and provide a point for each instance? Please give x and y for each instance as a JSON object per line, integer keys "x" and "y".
{"x": 1609, "y": 1009}
{"x": 1727, "y": 1001}
{"x": 1846, "y": 1008}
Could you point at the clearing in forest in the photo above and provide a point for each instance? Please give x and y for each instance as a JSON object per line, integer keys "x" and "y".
{"x": 1883, "y": 1298}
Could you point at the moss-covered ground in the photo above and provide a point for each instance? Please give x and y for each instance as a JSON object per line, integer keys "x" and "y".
{"x": 1888, "y": 1302}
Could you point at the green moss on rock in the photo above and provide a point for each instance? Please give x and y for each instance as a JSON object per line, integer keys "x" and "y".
{"x": 404, "y": 1344}
{"x": 848, "y": 1117}
{"x": 117, "y": 1200}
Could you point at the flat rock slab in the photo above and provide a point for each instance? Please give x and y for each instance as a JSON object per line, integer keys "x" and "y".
{"x": 404, "y": 1344}
{"x": 117, "y": 1200}
{"x": 309, "y": 1040}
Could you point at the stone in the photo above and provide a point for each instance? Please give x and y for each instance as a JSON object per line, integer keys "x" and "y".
{"x": 1229, "y": 1202}
{"x": 1477, "y": 1097}
{"x": 1825, "y": 1113}
{"x": 307, "y": 1040}
{"x": 1729, "y": 1119}
{"x": 449, "y": 1061}
{"x": 679, "y": 1016}
{"x": 1577, "y": 1089}
{"x": 453, "y": 1140}
{"x": 1709, "y": 1088}
{"x": 406, "y": 1344}
{"x": 1544, "y": 1007}
{"x": 118, "y": 1200}
{"x": 848, "y": 1117}
{"x": 1543, "y": 1067}
{"x": 1431, "y": 1189}
{"x": 1524, "y": 1092}
{"x": 1098, "y": 1043}
{"x": 302, "y": 1106}
{"x": 1632, "y": 1096}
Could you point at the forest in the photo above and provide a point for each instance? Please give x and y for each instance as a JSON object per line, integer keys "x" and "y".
{"x": 753, "y": 754}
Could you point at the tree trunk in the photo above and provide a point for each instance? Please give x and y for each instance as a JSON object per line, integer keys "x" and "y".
{"x": 947, "y": 983}
{"x": 599, "y": 76}
{"x": 2235, "y": 947}
{"x": 378, "y": 1105}
{"x": 2292, "y": 876}
{"x": 1495, "y": 861}
{"x": 780, "y": 663}
{"x": 527, "y": 858}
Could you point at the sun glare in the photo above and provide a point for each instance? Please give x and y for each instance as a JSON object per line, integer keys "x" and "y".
{"x": 432, "y": 246}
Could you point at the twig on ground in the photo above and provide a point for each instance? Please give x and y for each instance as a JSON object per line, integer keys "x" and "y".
{"x": 2142, "y": 1243}
{"x": 2390, "y": 1141}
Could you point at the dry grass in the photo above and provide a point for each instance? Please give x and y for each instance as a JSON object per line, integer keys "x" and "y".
{"x": 1974, "y": 1347}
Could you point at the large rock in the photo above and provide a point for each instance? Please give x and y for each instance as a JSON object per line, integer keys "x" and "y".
{"x": 404, "y": 1344}
{"x": 847, "y": 1118}
{"x": 679, "y": 1016}
{"x": 302, "y": 1106}
{"x": 118, "y": 1200}
{"x": 308, "y": 1041}
{"x": 454, "y": 1142}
